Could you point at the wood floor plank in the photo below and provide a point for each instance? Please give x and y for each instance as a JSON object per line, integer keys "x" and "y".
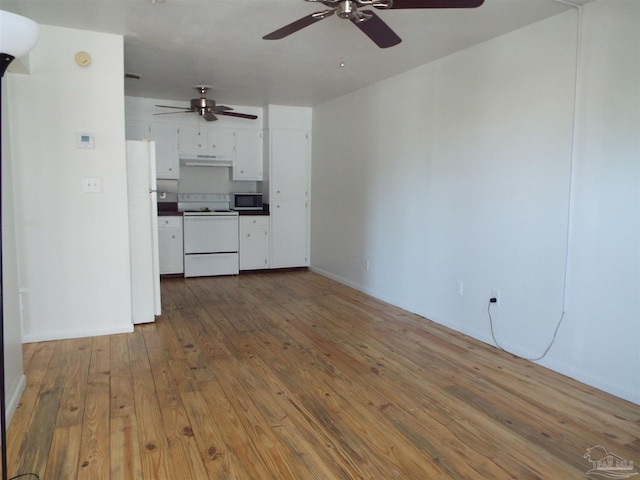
{"x": 124, "y": 449}
{"x": 37, "y": 365}
{"x": 94, "y": 463}
{"x": 121, "y": 384}
{"x": 289, "y": 375}
{"x": 153, "y": 444}
{"x": 64, "y": 452}
{"x": 33, "y": 453}
{"x": 100, "y": 355}
{"x": 185, "y": 457}
{"x": 75, "y": 373}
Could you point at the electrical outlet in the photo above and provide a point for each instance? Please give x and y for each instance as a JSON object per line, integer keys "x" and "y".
{"x": 460, "y": 287}
{"x": 496, "y": 294}
{"x": 367, "y": 265}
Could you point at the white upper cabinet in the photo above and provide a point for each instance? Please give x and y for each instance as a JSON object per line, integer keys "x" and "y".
{"x": 247, "y": 164}
{"x": 206, "y": 140}
{"x": 166, "y": 138}
{"x": 289, "y": 163}
{"x": 220, "y": 140}
{"x": 167, "y": 162}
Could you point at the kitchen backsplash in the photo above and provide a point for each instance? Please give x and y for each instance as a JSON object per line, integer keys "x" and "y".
{"x": 211, "y": 180}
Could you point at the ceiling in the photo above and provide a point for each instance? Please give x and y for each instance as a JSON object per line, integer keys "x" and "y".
{"x": 176, "y": 44}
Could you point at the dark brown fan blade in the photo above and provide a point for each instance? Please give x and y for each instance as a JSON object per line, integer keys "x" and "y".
{"x": 221, "y": 108}
{"x": 171, "y": 106}
{"x": 240, "y": 115}
{"x": 298, "y": 25}
{"x": 170, "y": 113}
{"x": 209, "y": 116}
{"x": 436, "y": 3}
{"x": 377, "y": 30}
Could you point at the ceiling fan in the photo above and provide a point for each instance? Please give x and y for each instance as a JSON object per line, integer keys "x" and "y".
{"x": 207, "y": 108}
{"x": 366, "y": 20}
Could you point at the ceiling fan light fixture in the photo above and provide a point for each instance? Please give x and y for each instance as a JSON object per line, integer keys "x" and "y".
{"x": 366, "y": 20}
{"x": 206, "y": 108}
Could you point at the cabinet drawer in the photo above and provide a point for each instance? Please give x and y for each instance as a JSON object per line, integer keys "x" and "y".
{"x": 200, "y": 265}
{"x": 169, "y": 222}
{"x": 254, "y": 221}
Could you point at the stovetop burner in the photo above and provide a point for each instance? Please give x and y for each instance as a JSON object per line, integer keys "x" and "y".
{"x": 205, "y": 203}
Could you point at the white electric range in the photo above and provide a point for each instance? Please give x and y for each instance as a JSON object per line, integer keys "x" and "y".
{"x": 210, "y": 234}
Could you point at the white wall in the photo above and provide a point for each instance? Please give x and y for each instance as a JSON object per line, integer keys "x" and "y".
{"x": 73, "y": 253}
{"x": 15, "y": 380}
{"x": 604, "y": 294}
{"x": 459, "y": 174}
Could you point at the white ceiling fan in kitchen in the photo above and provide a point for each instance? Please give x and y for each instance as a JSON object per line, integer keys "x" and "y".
{"x": 366, "y": 20}
{"x": 206, "y": 107}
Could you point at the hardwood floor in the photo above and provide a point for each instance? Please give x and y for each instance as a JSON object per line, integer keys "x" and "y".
{"x": 288, "y": 375}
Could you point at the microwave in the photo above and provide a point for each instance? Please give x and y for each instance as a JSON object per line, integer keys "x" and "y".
{"x": 246, "y": 201}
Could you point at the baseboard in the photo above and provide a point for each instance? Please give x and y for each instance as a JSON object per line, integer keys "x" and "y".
{"x": 76, "y": 333}
{"x": 14, "y": 398}
{"x": 346, "y": 282}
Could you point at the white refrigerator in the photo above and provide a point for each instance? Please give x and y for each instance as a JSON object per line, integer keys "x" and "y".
{"x": 143, "y": 230}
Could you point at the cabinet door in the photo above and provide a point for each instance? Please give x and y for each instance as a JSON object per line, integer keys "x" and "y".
{"x": 247, "y": 164}
{"x": 220, "y": 140}
{"x": 289, "y": 234}
{"x": 289, "y": 163}
{"x": 170, "y": 245}
{"x": 254, "y": 242}
{"x": 191, "y": 139}
{"x": 167, "y": 159}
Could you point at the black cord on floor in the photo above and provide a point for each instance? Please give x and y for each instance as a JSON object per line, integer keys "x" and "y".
{"x": 25, "y": 475}
{"x": 529, "y": 359}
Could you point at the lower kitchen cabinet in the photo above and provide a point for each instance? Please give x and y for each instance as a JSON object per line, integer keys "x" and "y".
{"x": 254, "y": 242}
{"x": 289, "y": 234}
{"x": 170, "y": 245}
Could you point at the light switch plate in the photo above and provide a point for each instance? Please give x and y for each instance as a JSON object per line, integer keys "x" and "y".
{"x": 91, "y": 185}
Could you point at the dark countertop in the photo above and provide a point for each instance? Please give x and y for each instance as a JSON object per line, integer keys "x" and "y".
{"x": 170, "y": 209}
{"x": 255, "y": 212}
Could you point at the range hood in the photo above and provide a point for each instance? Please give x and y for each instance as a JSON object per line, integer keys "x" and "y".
{"x": 204, "y": 160}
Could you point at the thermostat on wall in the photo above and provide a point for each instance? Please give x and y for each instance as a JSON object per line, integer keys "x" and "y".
{"x": 84, "y": 140}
